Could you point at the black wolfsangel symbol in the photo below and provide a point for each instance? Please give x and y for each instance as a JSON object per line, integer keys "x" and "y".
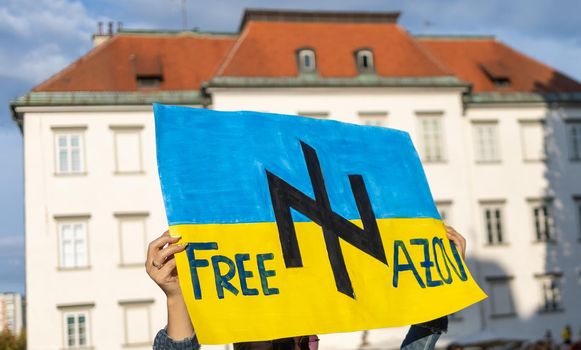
{"x": 286, "y": 197}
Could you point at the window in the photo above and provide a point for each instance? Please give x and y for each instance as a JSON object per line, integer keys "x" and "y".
{"x": 307, "y": 63}
{"x": 455, "y": 316}
{"x": 550, "y": 291}
{"x": 500, "y": 296}
{"x": 497, "y": 73}
{"x": 132, "y": 238}
{"x": 148, "y": 70}
{"x": 69, "y": 150}
{"x": 431, "y": 136}
{"x": 314, "y": 114}
{"x": 532, "y": 140}
{"x": 364, "y": 61}
{"x": 493, "y": 222}
{"x": 542, "y": 220}
{"x": 128, "y": 155}
{"x": 486, "y": 142}
{"x": 137, "y": 319}
{"x": 445, "y": 210}
{"x": 148, "y": 81}
{"x": 373, "y": 118}
{"x": 577, "y": 200}
{"x": 76, "y": 329}
{"x": 73, "y": 244}
{"x": 574, "y": 139}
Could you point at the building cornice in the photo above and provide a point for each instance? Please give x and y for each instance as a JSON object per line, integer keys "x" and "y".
{"x": 521, "y": 98}
{"x": 316, "y": 81}
{"x": 89, "y": 100}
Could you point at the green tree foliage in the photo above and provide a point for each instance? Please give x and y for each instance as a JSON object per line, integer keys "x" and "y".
{"x": 9, "y": 341}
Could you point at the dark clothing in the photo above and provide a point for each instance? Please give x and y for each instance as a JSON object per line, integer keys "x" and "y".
{"x": 422, "y": 336}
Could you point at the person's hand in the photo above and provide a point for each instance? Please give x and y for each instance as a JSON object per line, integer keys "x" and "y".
{"x": 458, "y": 240}
{"x": 161, "y": 265}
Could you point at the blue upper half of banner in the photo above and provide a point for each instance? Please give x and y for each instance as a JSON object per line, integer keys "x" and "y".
{"x": 212, "y": 165}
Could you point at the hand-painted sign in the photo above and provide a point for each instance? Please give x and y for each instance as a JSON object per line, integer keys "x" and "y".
{"x": 300, "y": 226}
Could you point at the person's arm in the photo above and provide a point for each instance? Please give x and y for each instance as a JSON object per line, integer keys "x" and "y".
{"x": 423, "y": 336}
{"x": 161, "y": 267}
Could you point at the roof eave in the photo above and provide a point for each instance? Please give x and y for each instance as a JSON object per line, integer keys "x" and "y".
{"x": 491, "y": 98}
{"x": 105, "y": 98}
{"x": 316, "y": 81}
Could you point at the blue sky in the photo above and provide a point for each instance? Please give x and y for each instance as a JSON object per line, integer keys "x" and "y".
{"x": 40, "y": 37}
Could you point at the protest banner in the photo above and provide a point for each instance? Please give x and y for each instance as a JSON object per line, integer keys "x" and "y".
{"x": 299, "y": 226}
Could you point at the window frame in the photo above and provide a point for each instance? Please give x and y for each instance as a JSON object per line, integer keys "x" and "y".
{"x": 456, "y": 317}
{"x": 573, "y": 144}
{"x": 427, "y": 157}
{"x": 577, "y": 209}
{"x": 499, "y": 237}
{"x": 479, "y": 147}
{"x": 360, "y": 55}
{"x": 66, "y": 313}
{"x": 82, "y": 220}
{"x": 137, "y": 216}
{"x": 445, "y": 206}
{"x": 148, "y": 81}
{"x": 314, "y": 114}
{"x": 127, "y": 304}
{"x": 127, "y": 129}
{"x": 554, "y": 278}
{"x": 69, "y": 131}
{"x": 301, "y": 54}
{"x": 527, "y": 123}
{"x": 375, "y": 116}
{"x": 497, "y": 280}
{"x": 547, "y": 203}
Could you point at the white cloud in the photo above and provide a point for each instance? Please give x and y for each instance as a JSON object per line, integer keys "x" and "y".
{"x": 9, "y": 22}
{"x": 43, "y": 36}
{"x": 11, "y": 242}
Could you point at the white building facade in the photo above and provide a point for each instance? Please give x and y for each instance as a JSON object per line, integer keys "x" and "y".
{"x": 504, "y": 168}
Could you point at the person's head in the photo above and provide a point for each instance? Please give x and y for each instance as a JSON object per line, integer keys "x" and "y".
{"x": 296, "y": 343}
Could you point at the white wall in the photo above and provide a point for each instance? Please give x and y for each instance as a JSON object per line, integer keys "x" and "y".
{"x": 465, "y": 183}
{"x": 448, "y": 180}
{"x": 101, "y": 194}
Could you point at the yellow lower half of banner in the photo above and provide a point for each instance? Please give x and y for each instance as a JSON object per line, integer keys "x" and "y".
{"x": 237, "y": 287}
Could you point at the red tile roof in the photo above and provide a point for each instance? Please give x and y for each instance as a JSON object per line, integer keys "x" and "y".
{"x": 268, "y": 49}
{"x": 184, "y": 61}
{"x": 477, "y": 60}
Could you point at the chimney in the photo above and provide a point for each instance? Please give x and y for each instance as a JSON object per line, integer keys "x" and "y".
{"x": 100, "y": 36}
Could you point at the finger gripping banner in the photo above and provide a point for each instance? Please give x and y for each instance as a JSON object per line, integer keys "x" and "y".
{"x": 300, "y": 226}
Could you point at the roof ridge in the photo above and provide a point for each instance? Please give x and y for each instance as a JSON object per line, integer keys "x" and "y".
{"x": 94, "y": 51}
{"x": 232, "y": 52}
{"x": 174, "y": 33}
{"x": 454, "y": 37}
{"x": 297, "y": 15}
